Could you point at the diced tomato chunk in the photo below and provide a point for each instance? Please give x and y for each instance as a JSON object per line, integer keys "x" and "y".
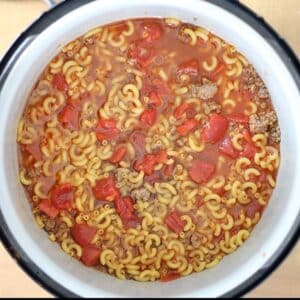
{"x": 220, "y": 191}
{"x": 190, "y": 67}
{"x": 118, "y": 155}
{"x": 59, "y": 82}
{"x": 201, "y": 171}
{"x": 215, "y": 129}
{"x": 155, "y": 99}
{"x": 46, "y": 207}
{"x": 106, "y": 129}
{"x": 151, "y": 31}
{"x": 141, "y": 53}
{"x": 170, "y": 276}
{"x": 125, "y": 209}
{"x": 146, "y": 164}
{"x": 250, "y": 148}
{"x": 83, "y": 234}
{"x": 34, "y": 150}
{"x": 227, "y": 148}
{"x": 148, "y": 117}
{"x": 69, "y": 117}
{"x": 181, "y": 109}
{"x": 161, "y": 156}
{"x": 186, "y": 127}
{"x": 90, "y": 256}
{"x": 105, "y": 189}
{"x": 108, "y": 123}
{"x": 191, "y": 112}
{"x": 174, "y": 222}
{"x": 238, "y": 118}
{"x": 61, "y": 196}
{"x": 101, "y": 136}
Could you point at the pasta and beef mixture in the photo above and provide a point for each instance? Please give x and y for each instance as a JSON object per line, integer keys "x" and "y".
{"x": 149, "y": 149}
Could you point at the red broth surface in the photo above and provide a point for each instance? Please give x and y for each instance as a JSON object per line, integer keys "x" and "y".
{"x": 149, "y": 149}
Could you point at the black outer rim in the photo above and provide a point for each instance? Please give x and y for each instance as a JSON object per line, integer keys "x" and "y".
{"x": 248, "y": 16}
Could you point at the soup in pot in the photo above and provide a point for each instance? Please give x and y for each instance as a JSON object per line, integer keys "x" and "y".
{"x": 149, "y": 149}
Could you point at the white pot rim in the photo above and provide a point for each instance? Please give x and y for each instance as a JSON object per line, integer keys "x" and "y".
{"x": 279, "y": 46}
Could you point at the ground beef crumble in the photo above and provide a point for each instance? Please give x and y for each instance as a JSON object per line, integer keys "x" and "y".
{"x": 204, "y": 91}
{"x": 55, "y": 226}
{"x": 211, "y": 107}
{"x": 265, "y": 123}
{"x": 141, "y": 194}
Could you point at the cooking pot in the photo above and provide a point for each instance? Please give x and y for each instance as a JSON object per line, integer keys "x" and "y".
{"x": 270, "y": 240}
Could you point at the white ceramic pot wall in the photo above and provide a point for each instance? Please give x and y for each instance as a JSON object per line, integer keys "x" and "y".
{"x": 280, "y": 217}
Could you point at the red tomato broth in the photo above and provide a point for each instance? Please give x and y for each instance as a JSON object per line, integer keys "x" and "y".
{"x": 110, "y": 157}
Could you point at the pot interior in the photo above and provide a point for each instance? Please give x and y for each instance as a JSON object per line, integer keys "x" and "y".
{"x": 284, "y": 205}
